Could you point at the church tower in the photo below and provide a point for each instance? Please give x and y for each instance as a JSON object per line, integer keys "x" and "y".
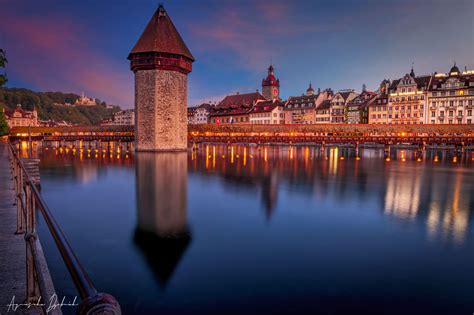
{"x": 161, "y": 62}
{"x": 271, "y": 86}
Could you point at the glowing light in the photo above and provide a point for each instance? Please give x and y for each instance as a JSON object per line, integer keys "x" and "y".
{"x": 436, "y": 159}
{"x": 357, "y": 158}
{"x": 245, "y": 156}
{"x": 455, "y": 159}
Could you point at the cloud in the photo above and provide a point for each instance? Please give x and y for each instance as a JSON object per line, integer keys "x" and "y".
{"x": 52, "y": 53}
{"x": 252, "y": 32}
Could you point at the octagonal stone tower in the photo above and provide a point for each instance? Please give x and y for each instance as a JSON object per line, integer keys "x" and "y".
{"x": 161, "y": 62}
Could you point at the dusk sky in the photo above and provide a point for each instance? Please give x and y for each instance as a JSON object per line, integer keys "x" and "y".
{"x": 74, "y": 46}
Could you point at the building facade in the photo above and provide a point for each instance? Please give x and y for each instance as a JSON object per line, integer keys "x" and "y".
{"x": 301, "y": 109}
{"x": 408, "y": 99}
{"x": 357, "y": 108}
{"x": 84, "y": 101}
{"x": 19, "y": 117}
{"x": 199, "y": 114}
{"x": 378, "y": 110}
{"x": 235, "y": 108}
{"x": 451, "y": 98}
{"x": 267, "y": 112}
{"x": 124, "y": 117}
{"x": 339, "y": 105}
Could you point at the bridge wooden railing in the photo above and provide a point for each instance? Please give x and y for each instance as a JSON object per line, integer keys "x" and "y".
{"x": 327, "y": 133}
{"x": 28, "y": 200}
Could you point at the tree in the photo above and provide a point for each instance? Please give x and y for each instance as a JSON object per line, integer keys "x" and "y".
{"x": 3, "y": 62}
{"x": 3, "y": 123}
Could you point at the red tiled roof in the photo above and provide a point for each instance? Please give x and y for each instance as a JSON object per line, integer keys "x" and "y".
{"x": 160, "y": 35}
{"x": 238, "y": 100}
{"x": 266, "y": 106}
{"x": 25, "y": 114}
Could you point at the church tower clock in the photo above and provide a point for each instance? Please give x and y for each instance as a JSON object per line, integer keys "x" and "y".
{"x": 271, "y": 85}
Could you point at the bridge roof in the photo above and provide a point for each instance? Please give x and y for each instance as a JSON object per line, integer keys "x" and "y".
{"x": 330, "y": 128}
{"x": 72, "y": 129}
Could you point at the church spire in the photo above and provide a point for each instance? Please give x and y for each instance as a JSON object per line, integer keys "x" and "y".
{"x": 412, "y": 72}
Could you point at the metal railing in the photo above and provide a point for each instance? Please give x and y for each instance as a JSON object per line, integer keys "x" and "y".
{"x": 28, "y": 199}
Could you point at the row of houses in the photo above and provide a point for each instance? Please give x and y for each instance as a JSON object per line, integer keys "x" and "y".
{"x": 19, "y": 117}
{"x": 439, "y": 98}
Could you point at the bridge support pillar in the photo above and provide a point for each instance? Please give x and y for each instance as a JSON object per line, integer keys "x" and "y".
{"x": 387, "y": 152}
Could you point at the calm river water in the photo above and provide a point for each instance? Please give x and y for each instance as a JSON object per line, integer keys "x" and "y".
{"x": 274, "y": 230}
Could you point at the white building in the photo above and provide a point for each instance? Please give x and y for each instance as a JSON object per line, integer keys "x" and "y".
{"x": 124, "y": 117}
{"x": 19, "y": 117}
{"x": 199, "y": 114}
{"x": 121, "y": 118}
{"x": 267, "y": 112}
{"x": 451, "y": 98}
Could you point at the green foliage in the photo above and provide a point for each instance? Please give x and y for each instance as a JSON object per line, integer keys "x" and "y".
{"x": 48, "y": 105}
{"x": 3, "y": 123}
{"x": 3, "y": 62}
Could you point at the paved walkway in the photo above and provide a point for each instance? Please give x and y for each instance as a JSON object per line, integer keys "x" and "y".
{"x": 12, "y": 247}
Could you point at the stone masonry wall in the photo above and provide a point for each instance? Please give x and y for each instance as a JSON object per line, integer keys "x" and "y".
{"x": 161, "y": 110}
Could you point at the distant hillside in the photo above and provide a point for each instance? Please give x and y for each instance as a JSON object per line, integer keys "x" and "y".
{"x": 45, "y": 105}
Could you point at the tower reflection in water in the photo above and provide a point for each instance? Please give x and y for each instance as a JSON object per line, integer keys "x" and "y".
{"x": 162, "y": 231}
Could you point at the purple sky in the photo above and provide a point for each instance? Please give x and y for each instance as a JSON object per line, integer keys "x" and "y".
{"x": 74, "y": 46}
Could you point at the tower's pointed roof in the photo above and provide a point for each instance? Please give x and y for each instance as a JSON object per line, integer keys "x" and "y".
{"x": 160, "y": 35}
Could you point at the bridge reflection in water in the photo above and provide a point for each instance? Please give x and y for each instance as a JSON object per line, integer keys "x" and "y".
{"x": 289, "y": 229}
{"x": 162, "y": 231}
{"x": 405, "y": 189}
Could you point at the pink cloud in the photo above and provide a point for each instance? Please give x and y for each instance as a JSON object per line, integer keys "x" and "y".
{"x": 36, "y": 44}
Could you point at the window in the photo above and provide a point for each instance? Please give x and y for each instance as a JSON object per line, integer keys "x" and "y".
{"x": 441, "y": 113}
{"x": 422, "y": 97}
{"x": 434, "y": 93}
{"x": 459, "y": 112}
{"x": 433, "y": 114}
{"x": 469, "y": 121}
{"x": 460, "y": 103}
{"x": 451, "y": 92}
{"x": 469, "y": 112}
{"x": 451, "y": 113}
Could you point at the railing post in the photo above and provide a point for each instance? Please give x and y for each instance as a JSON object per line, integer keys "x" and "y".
{"x": 20, "y": 216}
{"x": 32, "y": 290}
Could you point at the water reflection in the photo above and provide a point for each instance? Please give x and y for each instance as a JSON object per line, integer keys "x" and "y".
{"x": 162, "y": 231}
{"x": 279, "y": 229}
{"x": 410, "y": 185}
